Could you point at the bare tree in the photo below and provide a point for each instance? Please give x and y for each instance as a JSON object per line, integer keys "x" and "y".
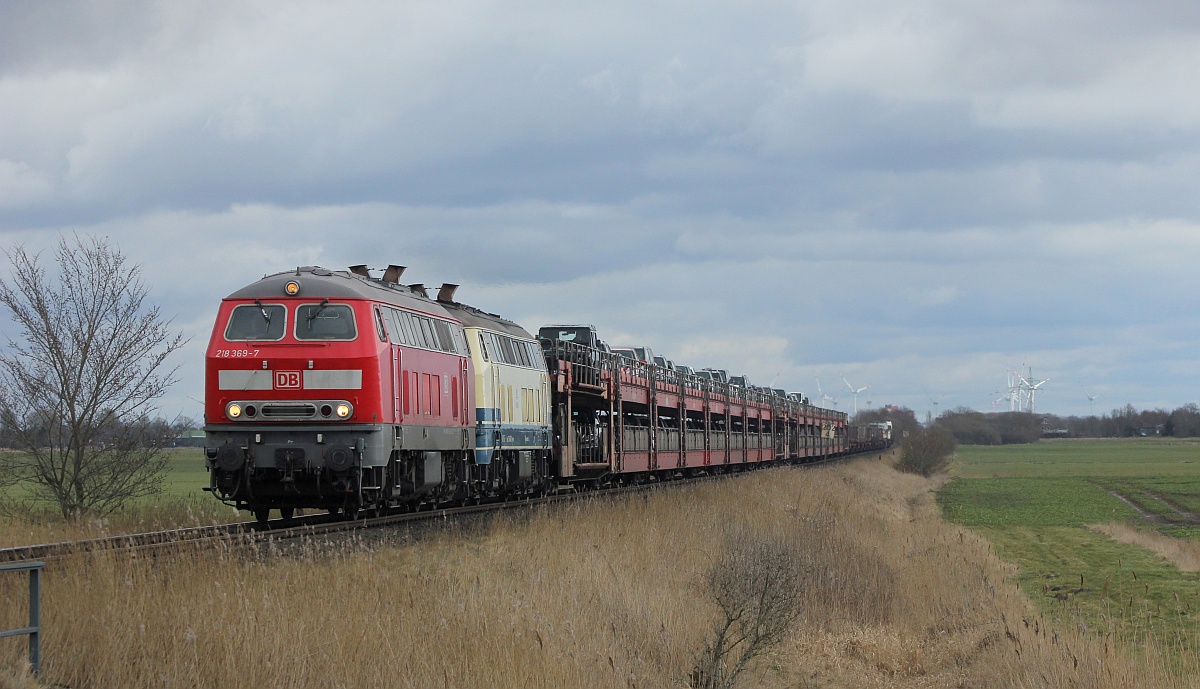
{"x": 757, "y": 585}
{"x": 78, "y": 384}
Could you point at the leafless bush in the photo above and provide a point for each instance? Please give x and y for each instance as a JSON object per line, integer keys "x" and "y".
{"x": 757, "y": 585}
{"x": 926, "y": 452}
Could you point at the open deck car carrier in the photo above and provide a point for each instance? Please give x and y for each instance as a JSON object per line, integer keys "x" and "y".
{"x": 615, "y": 415}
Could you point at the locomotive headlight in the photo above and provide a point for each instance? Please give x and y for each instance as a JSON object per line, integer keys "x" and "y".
{"x": 343, "y": 410}
{"x": 233, "y": 411}
{"x": 292, "y": 288}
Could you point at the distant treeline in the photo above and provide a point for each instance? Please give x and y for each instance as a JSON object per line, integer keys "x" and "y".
{"x": 141, "y": 431}
{"x": 971, "y": 427}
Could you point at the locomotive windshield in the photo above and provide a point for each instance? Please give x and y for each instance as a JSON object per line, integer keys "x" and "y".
{"x": 325, "y": 321}
{"x": 250, "y": 322}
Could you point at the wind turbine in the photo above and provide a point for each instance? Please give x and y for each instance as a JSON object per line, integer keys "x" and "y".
{"x": 777, "y": 374}
{"x": 1091, "y": 400}
{"x": 854, "y": 392}
{"x": 1031, "y": 389}
{"x": 825, "y": 398}
{"x": 1005, "y": 396}
{"x": 1014, "y": 394}
{"x": 933, "y": 401}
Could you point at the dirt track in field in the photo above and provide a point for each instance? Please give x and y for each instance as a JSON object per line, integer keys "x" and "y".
{"x": 1185, "y": 517}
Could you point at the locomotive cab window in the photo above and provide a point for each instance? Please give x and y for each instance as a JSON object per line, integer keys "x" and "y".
{"x": 380, "y": 328}
{"x": 325, "y": 321}
{"x": 483, "y": 347}
{"x": 256, "y": 322}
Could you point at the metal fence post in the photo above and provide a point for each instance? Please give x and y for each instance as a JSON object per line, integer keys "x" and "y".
{"x": 34, "y": 630}
{"x": 35, "y": 619}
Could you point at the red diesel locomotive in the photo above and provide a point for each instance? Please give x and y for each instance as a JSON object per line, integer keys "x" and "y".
{"x": 310, "y": 403}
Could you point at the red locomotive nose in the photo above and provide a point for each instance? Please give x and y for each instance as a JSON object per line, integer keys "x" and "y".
{"x": 331, "y": 382}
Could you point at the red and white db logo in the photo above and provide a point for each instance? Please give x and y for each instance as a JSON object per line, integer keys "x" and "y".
{"x": 287, "y": 380}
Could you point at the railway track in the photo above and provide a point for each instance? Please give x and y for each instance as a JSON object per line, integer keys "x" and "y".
{"x": 249, "y": 533}
{"x": 142, "y": 541}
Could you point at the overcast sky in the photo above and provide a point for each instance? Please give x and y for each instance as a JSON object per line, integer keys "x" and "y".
{"x": 919, "y": 196}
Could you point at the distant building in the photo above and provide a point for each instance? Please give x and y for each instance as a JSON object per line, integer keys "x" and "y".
{"x": 1048, "y": 432}
{"x": 189, "y": 438}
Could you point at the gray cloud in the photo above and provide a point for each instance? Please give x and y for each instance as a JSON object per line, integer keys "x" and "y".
{"x": 920, "y": 196}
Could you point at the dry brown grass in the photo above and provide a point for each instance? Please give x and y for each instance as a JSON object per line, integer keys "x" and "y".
{"x": 1184, "y": 553}
{"x": 600, "y": 593}
{"x": 18, "y": 678}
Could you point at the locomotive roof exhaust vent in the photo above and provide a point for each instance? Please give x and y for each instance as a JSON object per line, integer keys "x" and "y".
{"x": 446, "y": 293}
{"x": 361, "y": 269}
{"x": 393, "y": 273}
{"x": 419, "y": 288}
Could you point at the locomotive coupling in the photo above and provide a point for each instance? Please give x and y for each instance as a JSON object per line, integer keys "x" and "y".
{"x": 339, "y": 458}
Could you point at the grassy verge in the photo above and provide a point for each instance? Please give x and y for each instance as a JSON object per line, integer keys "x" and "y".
{"x": 183, "y": 502}
{"x": 605, "y": 592}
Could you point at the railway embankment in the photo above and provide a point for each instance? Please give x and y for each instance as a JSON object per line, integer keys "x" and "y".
{"x": 600, "y": 592}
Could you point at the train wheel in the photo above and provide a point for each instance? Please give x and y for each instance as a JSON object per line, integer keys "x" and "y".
{"x": 261, "y": 515}
{"x": 287, "y": 513}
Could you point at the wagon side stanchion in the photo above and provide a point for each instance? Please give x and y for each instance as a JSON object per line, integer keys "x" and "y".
{"x": 34, "y": 630}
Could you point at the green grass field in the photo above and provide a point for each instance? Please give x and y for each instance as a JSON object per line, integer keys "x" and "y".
{"x": 183, "y": 502}
{"x": 188, "y": 476}
{"x": 1035, "y": 503}
{"x": 1133, "y": 457}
